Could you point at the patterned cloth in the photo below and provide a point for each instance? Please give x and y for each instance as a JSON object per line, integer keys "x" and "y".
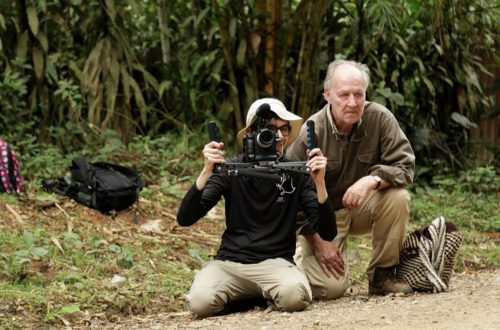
{"x": 428, "y": 255}
{"x": 11, "y": 182}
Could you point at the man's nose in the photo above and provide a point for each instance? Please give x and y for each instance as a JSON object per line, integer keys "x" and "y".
{"x": 351, "y": 101}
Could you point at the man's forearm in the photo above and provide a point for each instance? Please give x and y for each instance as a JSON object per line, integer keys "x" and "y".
{"x": 313, "y": 239}
{"x": 322, "y": 193}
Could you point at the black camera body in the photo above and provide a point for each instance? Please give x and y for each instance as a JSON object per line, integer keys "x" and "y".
{"x": 260, "y": 144}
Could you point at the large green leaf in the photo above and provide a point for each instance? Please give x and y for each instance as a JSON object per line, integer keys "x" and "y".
{"x": 22, "y": 45}
{"x": 38, "y": 61}
{"x": 32, "y": 19}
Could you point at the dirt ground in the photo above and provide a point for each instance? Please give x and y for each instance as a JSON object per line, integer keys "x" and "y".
{"x": 473, "y": 302}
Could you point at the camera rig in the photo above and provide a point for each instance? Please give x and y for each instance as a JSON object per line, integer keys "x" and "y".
{"x": 259, "y": 147}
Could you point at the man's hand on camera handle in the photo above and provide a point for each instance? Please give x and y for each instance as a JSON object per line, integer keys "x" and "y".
{"x": 212, "y": 154}
{"x": 317, "y": 163}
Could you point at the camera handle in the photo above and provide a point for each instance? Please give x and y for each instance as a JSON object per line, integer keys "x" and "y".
{"x": 311, "y": 138}
{"x": 213, "y": 132}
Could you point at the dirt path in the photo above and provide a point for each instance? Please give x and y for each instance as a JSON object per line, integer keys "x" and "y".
{"x": 473, "y": 302}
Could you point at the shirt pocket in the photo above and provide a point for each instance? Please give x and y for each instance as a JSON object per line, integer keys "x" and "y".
{"x": 366, "y": 160}
{"x": 332, "y": 166}
{"x": 368, "y": 157}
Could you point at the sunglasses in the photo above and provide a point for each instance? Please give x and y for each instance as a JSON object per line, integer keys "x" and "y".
{"x": 285, "y": 129}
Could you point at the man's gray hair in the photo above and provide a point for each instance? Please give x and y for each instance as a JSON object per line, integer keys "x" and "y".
{"x": 335, "y": 64}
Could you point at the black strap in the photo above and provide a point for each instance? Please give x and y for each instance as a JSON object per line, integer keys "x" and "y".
{"x": 12, "y": 176}
{"x": 80, "y": 170}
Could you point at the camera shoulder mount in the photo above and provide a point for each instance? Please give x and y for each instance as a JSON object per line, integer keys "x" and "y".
{"x": 271, "y": 171}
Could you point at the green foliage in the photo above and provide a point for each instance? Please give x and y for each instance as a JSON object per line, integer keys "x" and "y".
{"x": 481, "y": 180}
{"x": 479, "y": 212}
{"x": 423, "y": 52}
{"x": 85, "y": 271}
{"x": 169, "y": 159}
{"x": 60, "y": 312}
{"x": 82, "y": 74}
{"x": 16, "y": 119}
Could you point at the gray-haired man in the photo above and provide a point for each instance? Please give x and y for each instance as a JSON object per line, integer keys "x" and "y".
{"x": 370, "y": 161}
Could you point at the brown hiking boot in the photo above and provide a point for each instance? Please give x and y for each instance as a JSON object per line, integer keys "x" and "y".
{"x": 385, "y": 282}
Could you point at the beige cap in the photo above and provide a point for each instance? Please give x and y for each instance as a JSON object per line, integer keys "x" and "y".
{"x": 280, "y": 110}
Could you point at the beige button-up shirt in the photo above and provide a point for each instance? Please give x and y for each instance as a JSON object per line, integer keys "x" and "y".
{"x": 376, "y": 146}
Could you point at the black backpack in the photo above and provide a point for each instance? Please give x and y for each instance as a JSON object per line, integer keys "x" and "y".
{"x": 101, "y": 186}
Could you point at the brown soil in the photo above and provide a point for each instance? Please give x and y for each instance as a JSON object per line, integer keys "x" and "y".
{"x": 472, "y": 302}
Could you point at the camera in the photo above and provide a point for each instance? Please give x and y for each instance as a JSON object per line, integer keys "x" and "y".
{"x": 260, "y": 144}
{"x": 259, "y": 150}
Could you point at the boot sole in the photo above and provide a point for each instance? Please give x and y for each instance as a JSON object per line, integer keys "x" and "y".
{"x": 376, "y": 292}
{"x": 379, "y": 292}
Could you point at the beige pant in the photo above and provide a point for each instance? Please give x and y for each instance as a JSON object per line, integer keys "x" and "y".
{"x": 219, "y": 282}
{"x": 385, "y": 214}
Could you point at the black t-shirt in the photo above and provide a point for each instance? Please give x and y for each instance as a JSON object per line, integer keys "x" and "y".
{"x": 261, "y": 217}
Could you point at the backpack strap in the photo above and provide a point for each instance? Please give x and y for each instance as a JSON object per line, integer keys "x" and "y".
{"x": 80, "y": 170}
{"x": 431, "y": 253}
{"x": 78, "y": 186}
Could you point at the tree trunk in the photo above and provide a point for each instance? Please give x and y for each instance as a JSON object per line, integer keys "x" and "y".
{"x": 272, "y": 45}
{"x": 311, "y": 17}
{"x": 361, "y": 19}
{"x": 225, "y": 40}
{"x": 163, "y": 24}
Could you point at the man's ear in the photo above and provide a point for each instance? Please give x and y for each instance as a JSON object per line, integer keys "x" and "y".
{"x": 326, "y": 94}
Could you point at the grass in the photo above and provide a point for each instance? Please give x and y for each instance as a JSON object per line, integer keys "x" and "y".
{"x": 60, "y": 266}
{"x": 49, "y": 275}
{"x": 69, "y": 265}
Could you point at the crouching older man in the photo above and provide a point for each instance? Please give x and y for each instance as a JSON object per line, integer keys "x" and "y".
{"x": 370, "y": 161}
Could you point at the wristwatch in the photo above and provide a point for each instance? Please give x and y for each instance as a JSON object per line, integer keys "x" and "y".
{"x": 379, "y": 181}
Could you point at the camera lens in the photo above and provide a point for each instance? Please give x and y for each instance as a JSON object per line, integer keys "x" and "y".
{"x": 265, "y": 138}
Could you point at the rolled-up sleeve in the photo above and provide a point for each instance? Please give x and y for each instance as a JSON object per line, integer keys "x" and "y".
{"x": 397, "y": 160}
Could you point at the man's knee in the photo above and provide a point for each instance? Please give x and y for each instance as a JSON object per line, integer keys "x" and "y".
{"x": 334, "y": 288}
{"x": 330, "y": 287}
{"x": 398, "y": 198}
{"x": 322, "y": 286}
{"x": 203, "y": 303}
{"x": 292, "y": 297}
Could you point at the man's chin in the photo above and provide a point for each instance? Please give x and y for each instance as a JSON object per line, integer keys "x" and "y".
{"x": 352, "y": 119}
{"x": 279, "y": 148}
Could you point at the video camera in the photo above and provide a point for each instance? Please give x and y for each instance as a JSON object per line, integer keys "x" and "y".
{"x": 259, "y": 150}
{"x": 260, "y": 144}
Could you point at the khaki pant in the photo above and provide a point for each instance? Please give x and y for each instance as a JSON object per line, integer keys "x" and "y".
{"x": 219, "y": 282}
{"x": 385, "y": 214}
